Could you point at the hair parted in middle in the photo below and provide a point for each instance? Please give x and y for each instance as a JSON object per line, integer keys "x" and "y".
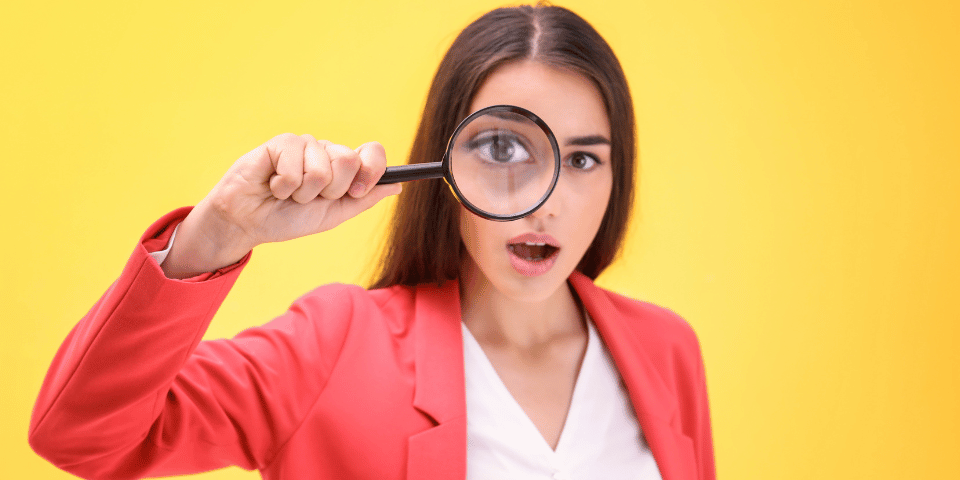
{"x": 424, "y": 244}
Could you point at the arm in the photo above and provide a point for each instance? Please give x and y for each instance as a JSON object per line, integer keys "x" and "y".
{"x": 102, "y": 393}
{"x": 130, "y": 393}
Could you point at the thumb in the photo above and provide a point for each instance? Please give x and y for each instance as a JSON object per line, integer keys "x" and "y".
{"x": 348, "y": 207}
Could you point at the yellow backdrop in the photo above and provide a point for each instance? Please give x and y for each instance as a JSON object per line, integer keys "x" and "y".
{"x": 798, "y": 202}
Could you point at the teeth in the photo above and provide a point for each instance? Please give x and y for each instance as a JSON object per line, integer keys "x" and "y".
{"x": 534, "y": 244}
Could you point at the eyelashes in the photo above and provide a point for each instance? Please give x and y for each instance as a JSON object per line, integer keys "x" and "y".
{"x": 583, "y": 161}
{"x": 499, "y": 147}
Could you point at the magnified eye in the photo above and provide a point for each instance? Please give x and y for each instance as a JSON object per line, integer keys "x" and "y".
{"x": 499, "y": 147}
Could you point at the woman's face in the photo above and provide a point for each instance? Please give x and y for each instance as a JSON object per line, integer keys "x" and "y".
{"x": 530, "y": 259}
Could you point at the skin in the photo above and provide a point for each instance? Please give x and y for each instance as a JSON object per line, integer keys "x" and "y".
{"x": 532, "y": 328}
{"x": 289, "y": 187}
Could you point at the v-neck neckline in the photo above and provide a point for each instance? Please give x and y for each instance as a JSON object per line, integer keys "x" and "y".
{"x": 506, "y": 399}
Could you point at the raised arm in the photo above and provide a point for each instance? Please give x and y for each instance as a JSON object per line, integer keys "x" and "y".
{"x": 130, "y": 394}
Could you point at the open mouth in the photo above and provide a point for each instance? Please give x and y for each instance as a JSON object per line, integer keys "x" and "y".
{"x": 533, "y": 254}
{"x": 533, "y": 251}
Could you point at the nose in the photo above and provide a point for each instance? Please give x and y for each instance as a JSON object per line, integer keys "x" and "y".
{"x": 554, "y": 204}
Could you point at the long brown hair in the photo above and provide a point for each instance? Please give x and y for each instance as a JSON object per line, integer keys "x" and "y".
{"x": 424, "y": 243}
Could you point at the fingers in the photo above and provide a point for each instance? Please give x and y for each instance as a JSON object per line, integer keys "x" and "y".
{"x": 349, "y": 207}
{"x": 316, "y": 170}
{"x": 344, "y": 163}
{"x": 286, "y": 154}
{"x": 373, "y": 162}
{"x": 305, "y": 168}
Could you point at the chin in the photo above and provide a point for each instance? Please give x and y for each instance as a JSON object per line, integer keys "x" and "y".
{"x": 536, "y": 289}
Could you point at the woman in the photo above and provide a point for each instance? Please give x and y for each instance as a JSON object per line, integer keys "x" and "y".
{"x": 546, "y": 376}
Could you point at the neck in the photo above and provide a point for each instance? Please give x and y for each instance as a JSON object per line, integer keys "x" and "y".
{"x": 495, "y": 318}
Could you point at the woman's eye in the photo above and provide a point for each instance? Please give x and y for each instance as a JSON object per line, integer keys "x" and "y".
{"x": 500, "y": 148}
{"x": 583, "y": 161}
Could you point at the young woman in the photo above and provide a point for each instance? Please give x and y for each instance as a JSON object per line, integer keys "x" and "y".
{"x": 483, "y": 350}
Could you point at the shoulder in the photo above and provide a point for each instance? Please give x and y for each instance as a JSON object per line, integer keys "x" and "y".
{"x": 655, "y": 329}
{"x": 651, "y": 318}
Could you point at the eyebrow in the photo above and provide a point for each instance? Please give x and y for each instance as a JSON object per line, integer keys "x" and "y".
{"x": 588, "y": 141}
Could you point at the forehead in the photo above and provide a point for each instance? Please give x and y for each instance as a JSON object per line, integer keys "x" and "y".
{"x": 569, "y": 103}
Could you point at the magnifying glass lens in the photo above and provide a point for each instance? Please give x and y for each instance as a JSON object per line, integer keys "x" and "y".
{"x": 503, "y": 163}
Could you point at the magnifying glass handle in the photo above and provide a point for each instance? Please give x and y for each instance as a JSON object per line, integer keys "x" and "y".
{"x": 406, "y": 173}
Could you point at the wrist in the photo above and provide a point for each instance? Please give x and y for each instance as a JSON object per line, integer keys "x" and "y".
{"x": 203, "y": 245}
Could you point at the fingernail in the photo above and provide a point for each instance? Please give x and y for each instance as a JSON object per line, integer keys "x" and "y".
{"x": 357, "y": 188}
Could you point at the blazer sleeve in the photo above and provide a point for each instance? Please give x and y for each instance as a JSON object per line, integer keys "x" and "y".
{"x": 133, "y": 392}
{"x": 701, "y": 431}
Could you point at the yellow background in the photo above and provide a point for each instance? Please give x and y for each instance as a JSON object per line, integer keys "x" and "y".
{"x": 798, "y": 202}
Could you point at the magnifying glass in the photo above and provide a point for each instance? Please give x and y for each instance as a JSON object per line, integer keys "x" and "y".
{"x": 502, "y": 163}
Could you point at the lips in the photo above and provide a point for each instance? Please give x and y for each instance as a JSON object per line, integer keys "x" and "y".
{"x": 533, "y": 254}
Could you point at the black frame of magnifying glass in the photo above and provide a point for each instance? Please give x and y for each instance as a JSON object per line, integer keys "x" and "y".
{"x": 441, "y": 169}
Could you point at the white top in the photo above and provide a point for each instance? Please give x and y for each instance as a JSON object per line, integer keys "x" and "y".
{"x": 600, "y": 439}
{"x": 161, "y": 255}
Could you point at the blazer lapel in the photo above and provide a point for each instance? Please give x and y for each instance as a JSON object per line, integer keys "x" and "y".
{"x": 440, "y": 452}
{"x": 654, "y": 403}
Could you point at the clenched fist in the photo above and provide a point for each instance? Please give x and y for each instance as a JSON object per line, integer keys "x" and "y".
{"x": 289, "y": 187}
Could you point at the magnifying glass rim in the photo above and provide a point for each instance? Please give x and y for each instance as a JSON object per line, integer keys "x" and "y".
{"x": 448, "y": 175}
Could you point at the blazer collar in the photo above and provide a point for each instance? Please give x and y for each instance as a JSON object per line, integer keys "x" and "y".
{"x": 654, "y": 403}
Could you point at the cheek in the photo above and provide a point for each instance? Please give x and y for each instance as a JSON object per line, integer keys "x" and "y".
{"x": 595, "y": 205}
{"x": 604, "y": 198}
{"x": 594, "y": 198}
{"x": 483, "y": 238}
{"x": 471, "y": 232}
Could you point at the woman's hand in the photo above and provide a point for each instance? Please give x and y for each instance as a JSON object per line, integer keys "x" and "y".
{"x": 289, "y": 187}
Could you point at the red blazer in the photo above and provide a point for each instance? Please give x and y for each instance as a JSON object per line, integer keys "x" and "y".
{"x": 348, "y": 383}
